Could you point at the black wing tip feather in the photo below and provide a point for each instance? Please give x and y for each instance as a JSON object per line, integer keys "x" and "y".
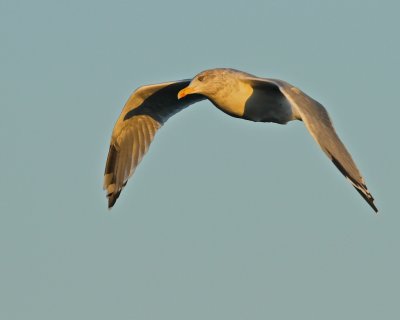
{"x": 112, "y": 198}
{"x": 110, "y": 168}
{"x": 361, "y": 188}
{"x": 367, "y": 198}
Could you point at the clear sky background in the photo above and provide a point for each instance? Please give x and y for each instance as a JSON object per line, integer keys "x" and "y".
{"x": 224, "y": 219}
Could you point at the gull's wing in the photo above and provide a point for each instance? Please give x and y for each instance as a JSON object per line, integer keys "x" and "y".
{"x": 144, "y": 113}
{"x": 319, "y": 124}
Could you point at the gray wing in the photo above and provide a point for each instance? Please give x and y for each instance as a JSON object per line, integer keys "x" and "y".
{"x": 320, "y": 126}
{"x": 147, "y": 109}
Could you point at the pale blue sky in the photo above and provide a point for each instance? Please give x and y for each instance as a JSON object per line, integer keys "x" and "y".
{"x": 224, "y": 219}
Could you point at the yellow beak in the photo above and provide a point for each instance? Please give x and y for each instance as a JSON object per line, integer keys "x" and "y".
{"x": 185, "y": 91}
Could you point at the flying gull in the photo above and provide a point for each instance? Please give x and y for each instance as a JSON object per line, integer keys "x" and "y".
{"x": 234, "y": 92}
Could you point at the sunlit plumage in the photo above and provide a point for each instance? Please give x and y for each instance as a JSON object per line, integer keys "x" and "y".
{"x": 236, "y": 93}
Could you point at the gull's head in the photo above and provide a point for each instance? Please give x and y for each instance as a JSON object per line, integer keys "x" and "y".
{"x": 207, "y": 83}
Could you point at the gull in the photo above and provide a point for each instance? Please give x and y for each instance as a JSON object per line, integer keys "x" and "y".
{"x": 238, "y": 94}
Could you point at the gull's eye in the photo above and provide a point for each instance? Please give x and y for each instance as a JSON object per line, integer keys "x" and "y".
{"x": 201, "y": 78}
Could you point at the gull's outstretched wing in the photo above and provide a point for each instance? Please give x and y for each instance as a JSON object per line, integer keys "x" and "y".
{"x": 144, "y": 113}
{"x": 319, "y": 124}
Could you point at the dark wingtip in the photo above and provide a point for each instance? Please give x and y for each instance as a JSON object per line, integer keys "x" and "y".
{"x": 361, "y": 188}
{"x": 371, "y": 203}
{"x": 367, "y": 198}
{"x": 109, "y": 173}
{"x": 110, "y": 203}
{"x": 112, "y": 198}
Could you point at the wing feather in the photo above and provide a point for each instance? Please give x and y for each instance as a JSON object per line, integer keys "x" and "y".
{"x": 319, "y": 125}
{"x": 147, "y": 109}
